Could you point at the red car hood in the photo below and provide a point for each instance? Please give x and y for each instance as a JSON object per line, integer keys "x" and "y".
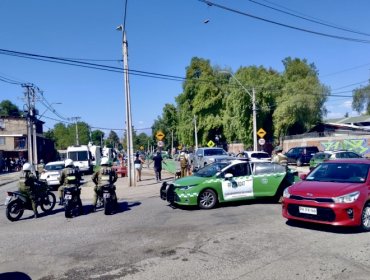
{"x": 323, "y": 189}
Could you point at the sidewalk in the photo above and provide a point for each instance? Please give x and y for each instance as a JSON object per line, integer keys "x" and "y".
{"x": 6, "y": 178}
{"x": 147, "y": 187}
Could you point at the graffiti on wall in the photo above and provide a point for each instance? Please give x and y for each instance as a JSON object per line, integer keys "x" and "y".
{"x": 359, "y": 146}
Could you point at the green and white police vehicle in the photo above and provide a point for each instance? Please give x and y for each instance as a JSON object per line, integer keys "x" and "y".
{"x": 227, "y": 181}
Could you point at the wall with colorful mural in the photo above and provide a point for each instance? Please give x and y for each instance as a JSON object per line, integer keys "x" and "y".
{"x": 359, "y": 145}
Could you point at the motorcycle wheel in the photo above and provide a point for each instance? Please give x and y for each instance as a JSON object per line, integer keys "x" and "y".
{"x": 48, "y": 202}
{"x": 67, "y": 211}
{"x": 107, "y": 207}
{"x": 14, "y": 211}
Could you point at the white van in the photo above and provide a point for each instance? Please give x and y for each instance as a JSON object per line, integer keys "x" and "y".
{"x": 81, "y": 157}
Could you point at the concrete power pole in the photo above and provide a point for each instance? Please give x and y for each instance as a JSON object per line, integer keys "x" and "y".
{"x": 29, "y": 92}
{"x": 76, "y": 119}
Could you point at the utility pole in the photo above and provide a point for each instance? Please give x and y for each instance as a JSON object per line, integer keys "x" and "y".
{"x": 172, "y": 143}
{"x": 29, "y": 122}
{"x": 130, "y": 151}
{"x": 76, "y": 119}
{"x": 254, "y": 120}
{"x": 195, "y": 133}
{"x": 33, "y": 119}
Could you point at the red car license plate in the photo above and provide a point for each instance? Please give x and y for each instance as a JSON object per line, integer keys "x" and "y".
{"x": 308, "y": 210}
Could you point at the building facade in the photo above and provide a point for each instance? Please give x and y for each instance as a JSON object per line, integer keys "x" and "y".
{"x": 14, "y": 140}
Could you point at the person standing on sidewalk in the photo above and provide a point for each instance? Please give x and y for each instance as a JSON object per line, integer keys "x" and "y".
{"x": 138, "y": 163}
{"x": 157, "y": 159}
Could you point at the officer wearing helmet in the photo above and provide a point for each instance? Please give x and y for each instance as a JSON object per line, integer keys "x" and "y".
{"x": 105, "y": 176}
{"x": 70, "y": 176}
{"x": 28, "y": 185}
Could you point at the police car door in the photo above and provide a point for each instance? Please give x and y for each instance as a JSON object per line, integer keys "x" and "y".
{"x": 238, "y": 182}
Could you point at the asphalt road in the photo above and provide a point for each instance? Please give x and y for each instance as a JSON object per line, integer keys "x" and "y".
{"x": 148, "y": 239}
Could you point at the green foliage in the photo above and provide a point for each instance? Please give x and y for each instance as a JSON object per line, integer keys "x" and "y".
{"x": 301, "y": 104}
{"x": 97, "y": 137}
{"x": 361, "y": 99}
{"x": 112, "y": 140}
{"x": 8, "y": 109}
{"x": 65, "y": 136}
{"x": 167, "y": 123}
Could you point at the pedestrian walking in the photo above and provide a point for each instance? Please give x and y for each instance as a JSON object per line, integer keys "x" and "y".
{"x": 157, "y": 159}
{"x": 138, "y": 163}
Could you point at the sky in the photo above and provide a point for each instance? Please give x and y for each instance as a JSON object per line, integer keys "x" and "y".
{"x": 163, "y": 36}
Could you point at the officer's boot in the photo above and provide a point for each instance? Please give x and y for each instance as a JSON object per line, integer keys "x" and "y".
{"x": 35, "y": 215}
{"x": 60, "y": 201}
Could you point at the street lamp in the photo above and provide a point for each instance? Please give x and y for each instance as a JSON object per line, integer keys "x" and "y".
{"x": 130, "y": 150}
{"x": 253, "y": 96}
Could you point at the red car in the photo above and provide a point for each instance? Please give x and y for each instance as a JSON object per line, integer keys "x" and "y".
{"x": 334, "y": 193}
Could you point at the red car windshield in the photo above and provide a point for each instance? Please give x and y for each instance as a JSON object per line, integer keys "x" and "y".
{"x": 340, "y": 172}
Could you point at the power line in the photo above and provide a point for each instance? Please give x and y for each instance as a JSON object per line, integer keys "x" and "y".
{"x": 285, "y": 25}
{"x": 90, "y": 65}
{"x": 311, "y": 20}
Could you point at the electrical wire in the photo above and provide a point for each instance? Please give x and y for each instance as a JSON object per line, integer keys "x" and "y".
{"x": 90, "y": 65}
{"x": 285, "y": 25}
{"x": 311, "y": 20}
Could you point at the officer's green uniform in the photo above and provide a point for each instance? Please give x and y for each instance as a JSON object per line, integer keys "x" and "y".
{"x": 28, "y": 187}
{"x": 105, "y": 176}
{"x": 70, "y": 176}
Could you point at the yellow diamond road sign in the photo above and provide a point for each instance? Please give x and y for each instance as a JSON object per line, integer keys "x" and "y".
{"x": 261, "y": 132}
{"x": 210, "y": 143}
{"x": 159, "y": 135}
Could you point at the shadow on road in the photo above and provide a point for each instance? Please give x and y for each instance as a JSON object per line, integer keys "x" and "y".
{"x": 14, "y": 276}
{"x": 326, "y": 228}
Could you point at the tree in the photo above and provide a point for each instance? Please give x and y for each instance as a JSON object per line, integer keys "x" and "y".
{"x": 202, "y": 97}
{"x": 65, "y": 136}
{"x": 8, "y": 109}
{"x": 112, "y": 140}
{"x": 301, "y": 102}
{"x": 238, "y": 114}
{"x": 361, "y": 99}
{"x": 167, "y": 123}
{"x": 97, "y": 137}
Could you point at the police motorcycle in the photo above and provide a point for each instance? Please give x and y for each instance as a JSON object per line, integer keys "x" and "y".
{"x": 72, "y": 201}
{"x": 71, "y": 192}
{"x": 107, "y": 198}
{"x": 16, "y": 202}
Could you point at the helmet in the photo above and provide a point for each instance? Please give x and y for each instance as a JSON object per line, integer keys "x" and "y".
{"x": 104, "y": 161}
{"x": 41, "y": 161}
{"x": 27, "y": 167}
{"x": 68, "y": 162}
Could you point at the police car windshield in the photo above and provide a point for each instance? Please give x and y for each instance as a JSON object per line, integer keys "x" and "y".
{"x": 211, "y": 169}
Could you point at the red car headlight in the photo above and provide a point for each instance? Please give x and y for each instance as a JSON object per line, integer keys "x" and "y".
{"x": 348, "y": 198}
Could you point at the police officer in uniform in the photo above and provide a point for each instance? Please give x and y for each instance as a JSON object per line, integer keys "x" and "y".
{"x": 28, "y": 186}
{"x": 70, "y": 176}
{"x": 105, "y": 176}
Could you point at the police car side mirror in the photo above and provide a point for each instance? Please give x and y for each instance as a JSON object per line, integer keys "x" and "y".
{"x": 228, "y": 176}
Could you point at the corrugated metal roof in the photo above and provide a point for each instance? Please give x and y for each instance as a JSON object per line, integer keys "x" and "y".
{"x": 349, "y": 120}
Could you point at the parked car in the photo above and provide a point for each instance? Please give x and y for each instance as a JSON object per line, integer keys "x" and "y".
{"x": 255, "y": 155}
{"x": 225, "y": 181}
{"x": 204, "y": 156}
{"x": 326, "y": 155}
{"x": 336, "y": 193}
{"x": 301, "y": 155}
{"x": 51, "y": 173}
